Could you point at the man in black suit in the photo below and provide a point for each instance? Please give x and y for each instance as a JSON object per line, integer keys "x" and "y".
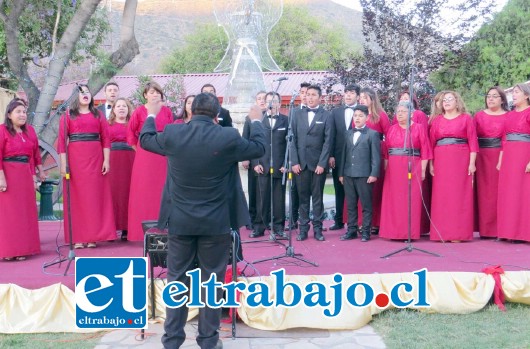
{"x": 311, "y": 146}
{"x": 201, "y": 156}
{"x": 358, "y": 170}
{"x": 224, "y": 118}
{"x": 112, "y": 92}
{"x": 276, "y": 126}
{"x": 251, "y": 178}
{"x": 342, "y": 121}
{"x": 294, "y": 191}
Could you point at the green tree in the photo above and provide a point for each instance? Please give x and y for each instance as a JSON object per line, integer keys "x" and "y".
{"x": 298, "y": 42}
{"x": 202, "y": 51}
{"x": 53, "y": 33}
{"x": 498, "y": 55}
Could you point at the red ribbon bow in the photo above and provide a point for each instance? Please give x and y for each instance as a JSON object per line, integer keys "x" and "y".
{"x": 498, "y": 293}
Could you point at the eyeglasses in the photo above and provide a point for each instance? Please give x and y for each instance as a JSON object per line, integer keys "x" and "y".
{"x": 448, "y": 99}
{"x": 492, "y": 96}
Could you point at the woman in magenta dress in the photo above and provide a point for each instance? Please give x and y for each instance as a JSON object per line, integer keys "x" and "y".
{"x": 121, "y": 161}
{"x": 513, "y": 205}
{"x": 490, "y": 128}
{"x": 19, "y": 156}
{"x": 379, "y": 121}
{"x": 418, "y": 117}
{"x": 149, "y": 169}
{"x": 454, "y": 141}
{"x": 394, "y": 213}
{"x": 88, "y": 157}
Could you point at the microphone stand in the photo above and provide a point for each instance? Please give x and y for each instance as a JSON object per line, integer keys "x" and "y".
{"x": 287, "y": 163}
{"x": 408, "y": 139}
{"x": 71, "y": 254}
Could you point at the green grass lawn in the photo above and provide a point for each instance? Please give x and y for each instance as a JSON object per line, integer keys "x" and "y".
{"x": 329, "y": 189}
{"x": 50, "y": 340}
{"x": 485, "y": 329}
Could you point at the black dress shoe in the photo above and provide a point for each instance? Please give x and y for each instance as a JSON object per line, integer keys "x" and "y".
{"x": 336, "y": 226}
{"x": 365, "y": 236}
{"x": 375, "y": 231}
{"x": 294, "y": 226}
{"x": 349, "y": 236}
{"x": 318, "y": 236}
{"x": 280, "y": 234}
{"x": 256, "y": 234}
{"x": 302, "y": 236}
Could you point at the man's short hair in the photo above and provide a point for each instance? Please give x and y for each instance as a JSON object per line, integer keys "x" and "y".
{"x": 208, "y": 85}
{"x": 260, "y": 93}
{"x": 353, "y": 88}
{"x": 362, "y": 108}
{"x": 315, "y": 87}
{"x": 111, "y": 83}
{"x": 206, "y": 104}
{"x": 305, "y": 84}
{"x": 272, "y": 93}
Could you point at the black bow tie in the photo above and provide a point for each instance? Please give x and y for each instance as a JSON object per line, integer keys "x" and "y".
{"x": 109, "y": 106}
{"x": 312, "y": 110}
{"x": 272, "y": 116}
{"x": 362, "y": 130}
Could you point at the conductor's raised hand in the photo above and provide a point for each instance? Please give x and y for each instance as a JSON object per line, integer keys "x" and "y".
{"x": 255, "y": 113}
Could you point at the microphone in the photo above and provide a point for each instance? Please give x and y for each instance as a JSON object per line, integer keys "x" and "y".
{"x": 79, "y": 88}
{"x": 283, "y": 78}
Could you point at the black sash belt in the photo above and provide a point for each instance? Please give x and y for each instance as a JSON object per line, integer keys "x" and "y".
{"x": 451, "y": 141}
{"x": 20, "y": 158}
{"x": 120, "y": 146}
{"x": 518, "y": 137}
{"x": 404, "y": 151}
{"x": 489, "y": 142}
{"x": 84, "y": 137}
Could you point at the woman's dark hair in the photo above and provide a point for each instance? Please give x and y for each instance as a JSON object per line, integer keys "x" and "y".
{"x": 112, "y": 117}
{"x": 500, "y": 91}
{"x": 74, "y": 107}
{"x": 16, "y": 102}
{"x": 153, "y": 85}
{"x": 185, "y": 115}
{"x": 413, "y": 98}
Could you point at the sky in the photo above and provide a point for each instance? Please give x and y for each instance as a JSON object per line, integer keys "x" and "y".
{"x": 355, "y": 4}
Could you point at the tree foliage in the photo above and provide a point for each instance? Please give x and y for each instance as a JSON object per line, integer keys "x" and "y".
{"x": 404, "y": 37}
{"x": 298, "y": 42}
{"x": 39, "y": 33}
{"x": 498, "y": 55}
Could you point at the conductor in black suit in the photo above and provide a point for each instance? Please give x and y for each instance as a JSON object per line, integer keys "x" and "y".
{"x": 342, "y": 121}
{"x": 311, "y": 146}
{"x": 277, "y": 124}
{"x": 224, "y": 118}
{"x": 358, "y": 171}
{"x": 201, "y": 156}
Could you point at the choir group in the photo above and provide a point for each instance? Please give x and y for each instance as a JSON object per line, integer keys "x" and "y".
{"x": 465, "y": 173}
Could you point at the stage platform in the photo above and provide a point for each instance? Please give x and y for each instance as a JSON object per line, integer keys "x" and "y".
{"x": 461, "y": 262}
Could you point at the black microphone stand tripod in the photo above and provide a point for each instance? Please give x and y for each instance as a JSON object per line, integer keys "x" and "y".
{"x": 71, "y": 253}
{"x": 408, "y": 146}
{"x": 289, "y": 249}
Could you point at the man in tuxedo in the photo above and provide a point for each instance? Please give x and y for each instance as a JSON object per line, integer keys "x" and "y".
{"x": 294, "y": 192}
{"x": 358, "y": 170}
{"x": 251, "y": 178}
{"x": 201, "y": 156}
{"x": 342, "y": 118}
{"x": 311, "y": 146}
{"x": 112, "y": 92}
{"x": 224, "y": 118}
{"x": 276, "y": 126}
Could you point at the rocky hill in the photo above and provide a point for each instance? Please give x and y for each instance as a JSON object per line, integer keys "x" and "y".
{"x": 161, "y": 25}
